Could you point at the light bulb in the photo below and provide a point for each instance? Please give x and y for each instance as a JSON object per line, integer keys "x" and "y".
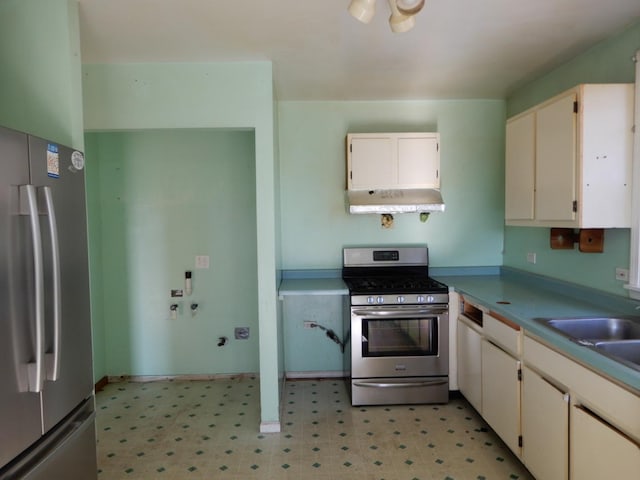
{"x": 399, "y": 22}
{"x": 362, "y": 10}
{"x": 409, "y": 7}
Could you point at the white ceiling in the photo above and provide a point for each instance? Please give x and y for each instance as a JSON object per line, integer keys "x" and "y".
{"x": 458, "y": 49}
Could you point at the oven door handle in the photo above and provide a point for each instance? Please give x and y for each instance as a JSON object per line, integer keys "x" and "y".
{"x": 423, "y": 383}
{"x": 398, "y": 314}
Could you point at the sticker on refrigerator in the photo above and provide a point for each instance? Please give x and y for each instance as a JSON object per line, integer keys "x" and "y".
{"x": 53, "y": 161}
{"x": 77, "y": 161}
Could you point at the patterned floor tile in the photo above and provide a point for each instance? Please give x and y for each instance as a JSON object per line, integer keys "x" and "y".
{"x": 208, "y": 429}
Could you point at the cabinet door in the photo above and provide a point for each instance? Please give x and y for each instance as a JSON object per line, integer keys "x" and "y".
{"x": 373, "y": 163}
{"x": 418, "y": 162}
{"x": 556, "y": 160}
{"x": 606, "y": 140}
{"x": 598, "y": 451}
{"x": 520, "y": 168}
{"x": 545, "y": 427}
{"x": 501, "y": 394}
{"x": 469, "y": 365}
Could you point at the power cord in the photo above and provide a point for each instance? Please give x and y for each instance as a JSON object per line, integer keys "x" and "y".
{"x": 330, "y": 333}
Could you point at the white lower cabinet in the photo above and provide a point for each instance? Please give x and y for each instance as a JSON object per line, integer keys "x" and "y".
{"x": 563, "y": 420}
{"x": 501, "y": 394}
{"x": 599, "y": 451}
{"x": 545, "y": 427}
{"x": 602, "y": 445}
{"x": 469, "y": 364}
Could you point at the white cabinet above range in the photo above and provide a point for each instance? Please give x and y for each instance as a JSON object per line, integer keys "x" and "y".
{"x": 393, "y": 161}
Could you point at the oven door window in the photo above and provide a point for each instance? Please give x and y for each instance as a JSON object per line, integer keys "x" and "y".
{"x": 399, "y": 337}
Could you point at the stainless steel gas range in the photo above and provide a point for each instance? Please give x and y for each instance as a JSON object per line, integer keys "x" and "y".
{"x": 398, "y": 327}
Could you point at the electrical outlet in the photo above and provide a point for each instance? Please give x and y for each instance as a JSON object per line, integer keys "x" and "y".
{"x": 309, "y": 324}
{"x": 241, "y": 333}
{"x": 531, "y": 257}
{"x": 622, "y": 274}
{"x": 202, "y": 261}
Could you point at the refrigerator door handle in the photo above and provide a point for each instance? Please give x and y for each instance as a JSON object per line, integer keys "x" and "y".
{"x": 35, "y": 369}
{"x": 54, "y": 371}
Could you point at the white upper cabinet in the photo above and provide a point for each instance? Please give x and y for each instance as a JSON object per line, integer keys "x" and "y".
{"x": 568, "y": 160}
{"x": 520, "y": 167}
{"x": 556, "y": 160}
{"x": 393, "y": 160}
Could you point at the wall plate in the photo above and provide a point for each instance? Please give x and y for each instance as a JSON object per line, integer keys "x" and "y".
{"x": 241, "y": 333}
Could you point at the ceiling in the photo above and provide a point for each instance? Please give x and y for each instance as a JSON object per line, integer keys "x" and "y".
{"x": 458, "y": 48}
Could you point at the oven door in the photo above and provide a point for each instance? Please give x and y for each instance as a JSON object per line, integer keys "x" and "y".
{"x": 399, "y": 341}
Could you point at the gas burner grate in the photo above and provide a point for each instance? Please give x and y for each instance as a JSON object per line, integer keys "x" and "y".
{"x": 395, "y": 285}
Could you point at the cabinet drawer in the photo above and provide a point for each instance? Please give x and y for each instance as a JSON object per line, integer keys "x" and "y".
{"x": 503, "y": 332}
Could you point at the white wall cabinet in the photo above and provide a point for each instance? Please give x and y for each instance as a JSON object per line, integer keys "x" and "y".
{"x": 545, "y": 427}
{"x": 393, "y": 160}
{"x": 520, "y": 167}
{"x": 568, "y": 160}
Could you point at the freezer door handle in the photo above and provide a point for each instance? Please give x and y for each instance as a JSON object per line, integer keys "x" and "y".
{"x": 28, "y": 198}
{"x": 54, "y": 370}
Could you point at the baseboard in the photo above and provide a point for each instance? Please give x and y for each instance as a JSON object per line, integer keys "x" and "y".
{"x": 270, "y": 427}
{"x": 100, "y": 384}
{"x": 156, "y": 378}
{"x": 315, "y": 374}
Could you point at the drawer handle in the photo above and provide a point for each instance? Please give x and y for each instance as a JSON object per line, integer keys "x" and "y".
{"x": 426, "y": 383}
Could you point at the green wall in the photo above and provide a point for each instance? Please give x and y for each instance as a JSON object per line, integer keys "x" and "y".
{"x": 94, "y": 226}
{"x": 309, "y": 349}
{"x": 40, "y": 79}
{"x": 315, "y": 223}
{"x": 167, "y": 196}
{"x": 607, "y": 62}
{"x": 201, "y": 96}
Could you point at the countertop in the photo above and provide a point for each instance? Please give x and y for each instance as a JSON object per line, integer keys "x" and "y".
{"x": 312, "y": 286}
{"x": 529, "y": 298}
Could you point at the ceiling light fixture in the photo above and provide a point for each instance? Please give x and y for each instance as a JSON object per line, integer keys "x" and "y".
{"x": 402, "y": 12}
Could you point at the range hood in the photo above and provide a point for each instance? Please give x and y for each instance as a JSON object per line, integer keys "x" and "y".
{"x": 401, "y": 200}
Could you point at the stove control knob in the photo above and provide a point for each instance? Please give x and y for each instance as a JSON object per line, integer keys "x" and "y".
{"x": 400, "y": 299}
{"x": 430, "y": 299}
{"x": 420, "y": 299}
{"x": 371, "y": 300}
{"x": 380, "y": 299}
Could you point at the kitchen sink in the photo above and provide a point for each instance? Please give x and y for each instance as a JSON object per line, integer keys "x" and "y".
{"x": 628, "y": 350}
{"x": 615, "y": 337}
{"x": 602, "y": 328}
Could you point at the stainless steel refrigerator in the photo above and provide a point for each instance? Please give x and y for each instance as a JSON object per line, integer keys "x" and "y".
{"x": 47, "y": 427}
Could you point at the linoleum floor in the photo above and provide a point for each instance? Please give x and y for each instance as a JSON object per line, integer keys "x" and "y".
{"x": 182, "y": 429}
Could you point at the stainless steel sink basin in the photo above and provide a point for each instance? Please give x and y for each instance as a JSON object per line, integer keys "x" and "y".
{"x": 628, "y": 350}
{"x": 615, "y": 337}
{"x": 597, "y": 328}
